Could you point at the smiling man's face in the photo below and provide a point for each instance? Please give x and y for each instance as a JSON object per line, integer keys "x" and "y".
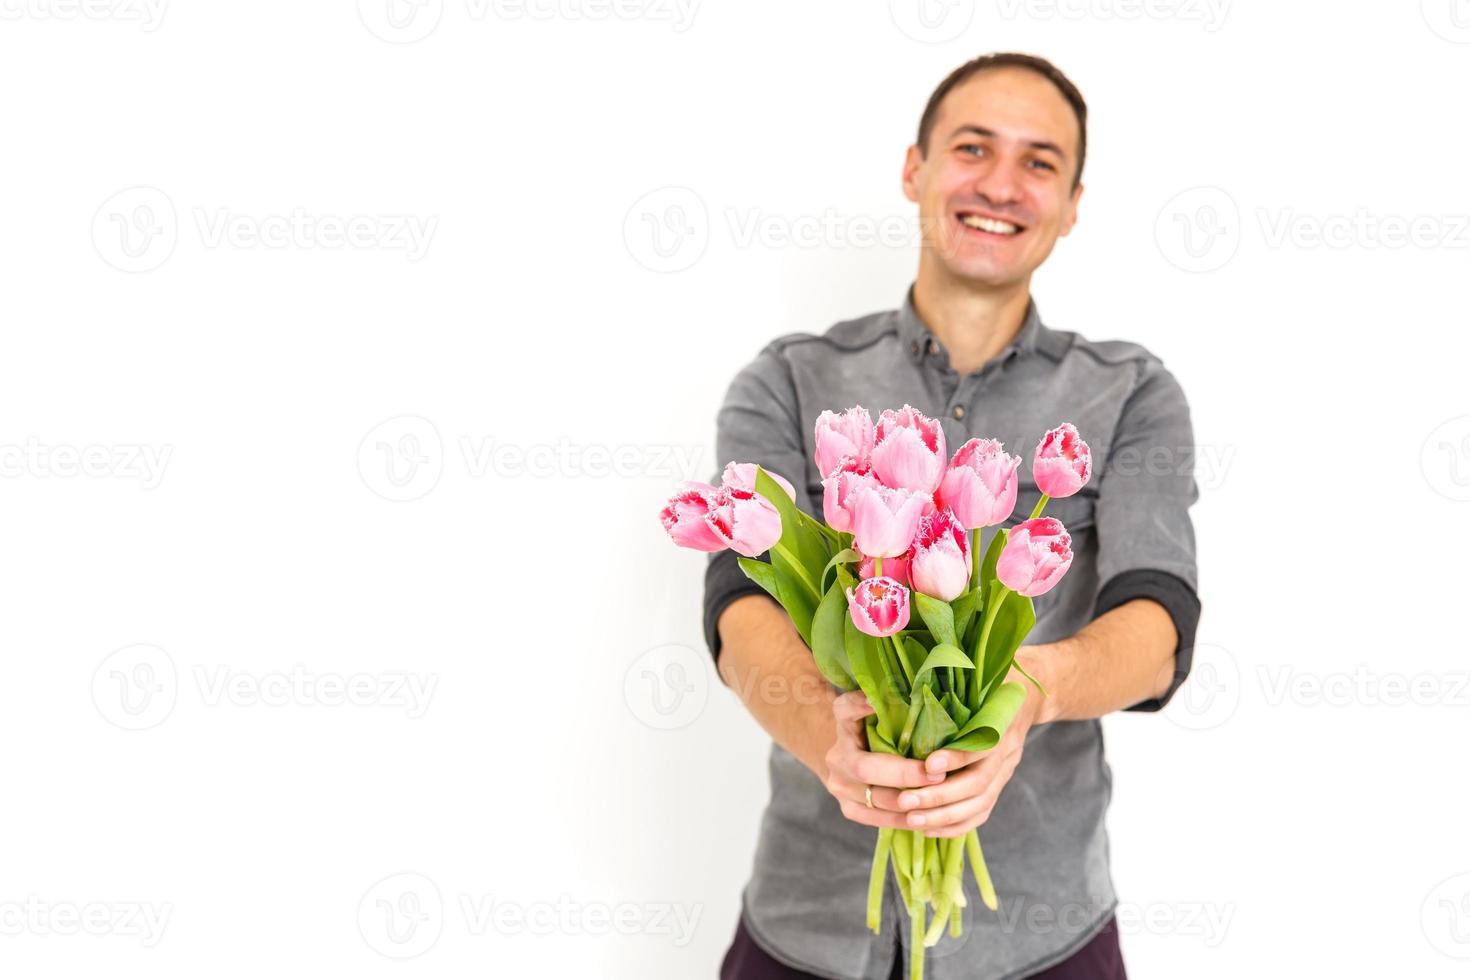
{"x": 995, "y": 188}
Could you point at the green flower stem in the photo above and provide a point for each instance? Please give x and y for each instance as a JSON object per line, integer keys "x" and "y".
{"x": 916, "y": 697}
{"x": 801, "y": 572}
{"x": 878, "y": 566}
{"x": 903, "y": 663}
{"x": 1040, "y": 506}
{"x": 951, "y": 890}
{"x": 982, "y": 873}
{"x": 975, "y": 557}
{"x": 916, "y": 940}
{"x": 991, "y": 608}
{"x": 877, "y": 875}
{"x": 934, "y": 867}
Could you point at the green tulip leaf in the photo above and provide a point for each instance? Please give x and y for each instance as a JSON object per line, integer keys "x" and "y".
{"x": 956, "y": 708}
{"x": 1013, "y": 621}
{"x": 800, "y": 534}
{"x": 983, "y": 731}
{"x": 876, "y": 741}
{"x": 845, "y": 555}
{"x": 937, "y": 616}
{"x": 829, "y": 647}
{"x": 869, "y": 669}
{"x": 914, "y": 653}
{"x": 761, "y": 573}
{"x": 964, "y": 606}
{"x": 795, "y": 597}
{"x": 933, "y": 727}
{"x": 946, "y": 655}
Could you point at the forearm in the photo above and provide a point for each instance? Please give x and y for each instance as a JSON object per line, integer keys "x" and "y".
{"x": 765, "y": 662}
{"x": 1121, "y": 658}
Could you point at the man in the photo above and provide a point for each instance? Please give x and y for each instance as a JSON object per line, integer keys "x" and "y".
{"x": 996, "y": 173}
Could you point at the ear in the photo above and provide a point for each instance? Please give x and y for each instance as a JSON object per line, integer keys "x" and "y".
{"x": 911, "y": 164}
{"x": 1071, "y": 218}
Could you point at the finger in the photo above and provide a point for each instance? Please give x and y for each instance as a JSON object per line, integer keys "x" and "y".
{"x": 881, "y": 769}
{"x": 946, "y": 816}
{"x": 963, "y": 827}
{"x": 947, "y": 760}
{"x": 858, "y": 813}
{"x": 851, "y": 706}
{"x": 884, "y": 797}
{"x": 959, "y": 785}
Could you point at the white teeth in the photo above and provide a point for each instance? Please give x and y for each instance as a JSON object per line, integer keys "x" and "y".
{"x": 989, "y": 224}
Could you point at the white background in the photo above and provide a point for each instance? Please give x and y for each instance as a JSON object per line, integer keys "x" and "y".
{"x": 439, "y": 460}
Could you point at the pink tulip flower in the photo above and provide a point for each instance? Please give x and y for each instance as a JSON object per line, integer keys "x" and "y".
{"x": 980, "y": 484}
{"x": 848, "y": 434}
{"x": 941, "y": 563}
{"x": 879, "y": 606}
{"x": 884, "y": 519}
{"x": 686, "y": 515}
{"x": 895, "y": 568}
{"x": 909, "y": 451}
{"x": 747, "y": 522}
{"x": 742, "y": 476}
{"x": 846, "y": 476}
{"x": 1036, "y": 555}
{"x": 1063, "y": 463}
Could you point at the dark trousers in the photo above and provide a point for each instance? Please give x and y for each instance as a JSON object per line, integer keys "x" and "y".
{"x": 1100, "y": 959}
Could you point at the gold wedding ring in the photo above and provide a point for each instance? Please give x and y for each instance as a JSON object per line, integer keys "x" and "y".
{"x": 868, "y": 797}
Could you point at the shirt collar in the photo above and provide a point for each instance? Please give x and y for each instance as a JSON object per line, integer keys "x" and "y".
{"x": 918, "y": 341}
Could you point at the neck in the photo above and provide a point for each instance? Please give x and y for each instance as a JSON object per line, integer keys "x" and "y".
{"x": 973, "y": 321}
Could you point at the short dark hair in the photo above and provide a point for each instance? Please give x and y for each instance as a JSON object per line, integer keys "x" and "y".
{"x": 1010, "y": 59}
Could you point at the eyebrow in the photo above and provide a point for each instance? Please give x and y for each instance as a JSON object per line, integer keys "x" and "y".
{"x": 990, "y": 133}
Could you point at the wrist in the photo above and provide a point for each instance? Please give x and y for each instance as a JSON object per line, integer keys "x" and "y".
{"x": 1043, "y": 662}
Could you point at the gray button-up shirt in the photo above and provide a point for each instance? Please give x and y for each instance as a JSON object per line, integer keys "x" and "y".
{"x": 1045, "y": 842}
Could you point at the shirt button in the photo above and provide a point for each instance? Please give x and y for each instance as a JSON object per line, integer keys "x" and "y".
{"x": 933, "y": 347}
{"x": 959, "y": 411}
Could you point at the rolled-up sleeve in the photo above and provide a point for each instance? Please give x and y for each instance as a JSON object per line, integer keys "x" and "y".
{"x": 758, "y": 422}
{"x": 1146, "y": 545}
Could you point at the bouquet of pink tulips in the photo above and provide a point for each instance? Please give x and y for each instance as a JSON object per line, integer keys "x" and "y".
{"x": 902, "y": 533}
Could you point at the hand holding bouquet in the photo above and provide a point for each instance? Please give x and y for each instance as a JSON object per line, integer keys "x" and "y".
{"x": 895, "y": 596}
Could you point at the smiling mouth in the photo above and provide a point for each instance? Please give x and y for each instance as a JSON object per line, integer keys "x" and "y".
{"x": 991, "y": 226}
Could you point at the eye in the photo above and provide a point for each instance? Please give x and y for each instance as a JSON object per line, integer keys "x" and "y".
{"x": 967, "y": 148}
{"x": 1044, "y": 163}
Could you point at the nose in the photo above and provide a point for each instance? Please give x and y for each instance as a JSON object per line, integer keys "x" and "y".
{"x": 999, "y": 184}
